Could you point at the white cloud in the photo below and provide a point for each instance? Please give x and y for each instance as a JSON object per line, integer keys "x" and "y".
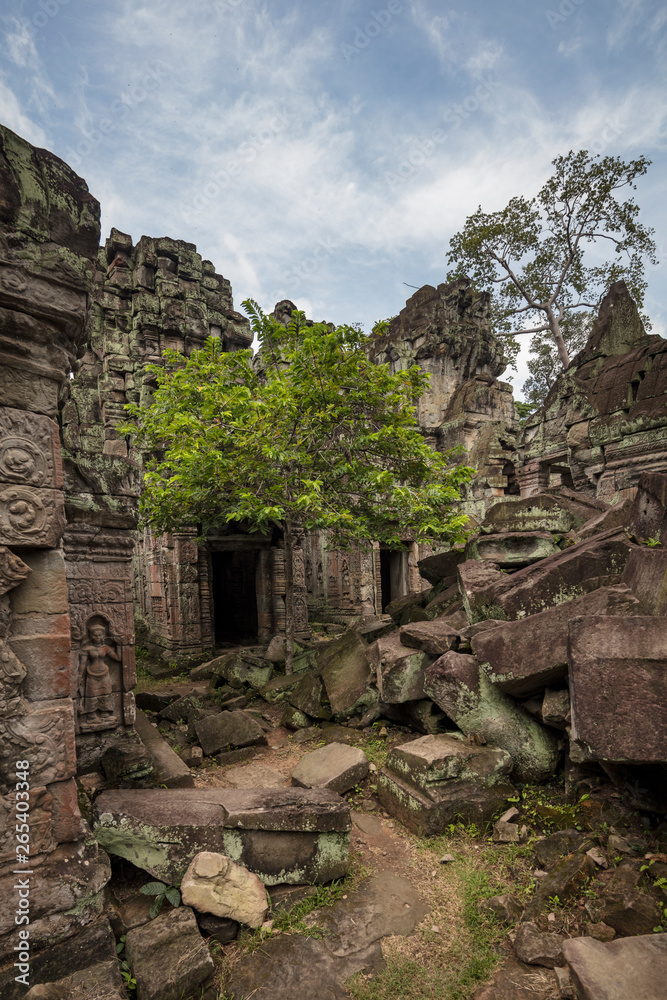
{"x": 14, "y": 117}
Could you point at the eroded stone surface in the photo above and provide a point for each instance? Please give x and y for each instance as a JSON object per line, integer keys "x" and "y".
{"x": 214, "y": 884}
{"x": 335, "y": 766}
{"x": 168, "y": 956}
{"x": 631, "y": 967}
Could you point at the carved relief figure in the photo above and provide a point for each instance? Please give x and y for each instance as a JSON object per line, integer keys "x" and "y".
{"x": 96, "y": 699}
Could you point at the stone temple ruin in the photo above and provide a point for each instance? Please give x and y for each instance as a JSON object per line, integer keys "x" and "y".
{"x": 540, "y": 646}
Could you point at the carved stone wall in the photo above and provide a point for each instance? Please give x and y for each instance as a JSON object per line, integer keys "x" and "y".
{"x": 49, "y": 232}
{"x": 604, "y": 422}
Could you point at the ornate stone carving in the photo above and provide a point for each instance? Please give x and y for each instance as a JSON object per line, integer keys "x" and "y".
{"x": 30, "y": 516}
{"x": 97, "y": 705}
{"x": 12, "y": 570}
{"x": 27, "y": 449}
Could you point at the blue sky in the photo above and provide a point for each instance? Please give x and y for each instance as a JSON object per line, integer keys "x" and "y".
{"x": 325, "y": 151}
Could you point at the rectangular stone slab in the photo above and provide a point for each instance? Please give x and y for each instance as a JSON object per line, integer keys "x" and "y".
{"x": 525, "y": 655}
{"x": 428, "y": 814}
{"x": 618, "y": 687}
{"x": 646, "y": 576}
{"x": 628, "y": 967}
{"x": 282, "y": 834}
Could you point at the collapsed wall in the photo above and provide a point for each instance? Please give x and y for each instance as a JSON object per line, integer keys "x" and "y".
{"x": 604, "y": 421}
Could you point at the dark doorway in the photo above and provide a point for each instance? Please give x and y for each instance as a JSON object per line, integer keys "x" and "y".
{"x": 234, "y": 596}
{"x": 385, "y": 578}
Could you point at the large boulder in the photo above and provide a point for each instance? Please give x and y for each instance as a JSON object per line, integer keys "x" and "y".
{"x": 347, "y": 675}
{"x": 281, "y": 834}
{"x": 646, "y": 576}
{"x": 399, "y": 669}
{"x": 618, "y": 688}
{"x": 434, "y": 638}
{"x": 596, "y": 562}
{"x": 525, "y": 655}
{"x": 436, "y": 780}
{"x": 228, "y": 729}
{"x": 629, "y": 967}
{"x": 214, "y": 884}
{"x": 441, "y": 566}
{"x": 542, "y": 512}
{"x": 463, "y": 691}
{"x": 511, "y": 549}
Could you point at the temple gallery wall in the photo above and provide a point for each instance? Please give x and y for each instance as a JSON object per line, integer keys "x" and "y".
{"x": 80, "y": 583}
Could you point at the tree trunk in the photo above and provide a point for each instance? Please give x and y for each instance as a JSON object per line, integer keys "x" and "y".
{"x": 289, "y": 600}
{"x": 557, "y": 335}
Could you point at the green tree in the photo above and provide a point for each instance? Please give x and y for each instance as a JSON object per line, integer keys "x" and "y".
{"x": 544, "y": 363}
{"x": 308, "y": 435}
{"x": 544, "y": 253}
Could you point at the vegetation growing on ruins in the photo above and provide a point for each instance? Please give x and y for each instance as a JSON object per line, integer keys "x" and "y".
{"x": 544, "y": 364}
{"x": 543, "y": 254}
{"x": 310, "y": 435}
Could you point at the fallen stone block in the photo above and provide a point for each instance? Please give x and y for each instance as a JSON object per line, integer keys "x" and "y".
{"x": 646, "y": 576}
{"x": 348, "y": 677}
{"x": 169, "y": 769}
{"x": 276, "y": 651}
{"x": 280, "y": 687}
{"x": 399, "y": 670}
{"x": 310, "y": 696}
{"x": 456, "y": 683}
{"x": 66, "y": 894}
{"x": 542, "y": 512}
{"x": 441, "y": 566}
{"x": 434, "y": 638}
{"x": 535, "y": 948}
{"x": 181, "y": 709}
{"x": 648, "y": 517}
{"x": 512, "y": 548}
{"x": 446, "y": 601}
{"x": 127, "y": 760}
{"x": 228, "y": 729}
{"x": 617, "y": 516}
{"x": 255, "y": 775}
{"x": 214, "y": 884}
{"x": 84, "y": 965}
{"x": 631, "y": 912}
{"x": 293, "y": 718}
{"x": 556, "y": 708}
{"x": 555, "y": 846}
{"x": 526, "y": 655}
{"x": 168, "y": 957}
{"x": 154, "y": 701}
{"x": 629, "y": 967}
{"x": 586, "y": 566}
{"x": 402, "y": 609}
{"x": 618, "y": 688}
{"x": 292, "y": 835}
{"x": 336, "y": 766}
{"x": 566, "y": 878}
{"x": 423, "y": 716}
{"x": 431, "y": 782}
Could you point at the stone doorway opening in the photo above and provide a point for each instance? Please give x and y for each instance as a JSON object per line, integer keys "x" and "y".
{"x": 393, "y": 576}
{"x": 234, "y": 592}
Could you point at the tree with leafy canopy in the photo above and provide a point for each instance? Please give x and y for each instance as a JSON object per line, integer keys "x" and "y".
{"x": 544, "y": 363}
{"x": 544, "y": 253}
{"x": 309, "y": 435}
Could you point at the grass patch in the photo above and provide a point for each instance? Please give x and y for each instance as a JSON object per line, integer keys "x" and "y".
{"x": 452, "y": 961}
